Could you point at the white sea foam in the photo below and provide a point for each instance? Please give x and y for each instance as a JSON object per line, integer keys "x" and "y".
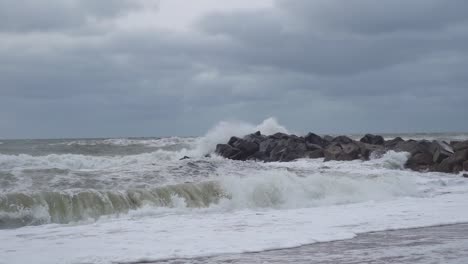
{"x": 148, "y": 238}
{"x": 225, "y": 130}
{"x": 285, "y": 190}
{"x": 83, "y": 162}
{"x": 159, "y": 143}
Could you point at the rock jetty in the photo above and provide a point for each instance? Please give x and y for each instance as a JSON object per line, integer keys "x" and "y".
{"x": 441, "y": 156}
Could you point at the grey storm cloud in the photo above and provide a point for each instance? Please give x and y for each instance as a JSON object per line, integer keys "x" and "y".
{"x": 54, "y": 15}
{"x": 330, "y": 66}
{"x": 377, "y": 17}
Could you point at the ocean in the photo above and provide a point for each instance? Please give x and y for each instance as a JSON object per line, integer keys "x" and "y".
{"x": 131, "y": 200}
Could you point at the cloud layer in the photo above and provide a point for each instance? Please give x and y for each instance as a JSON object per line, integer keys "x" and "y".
{"x": 106, "y": 68}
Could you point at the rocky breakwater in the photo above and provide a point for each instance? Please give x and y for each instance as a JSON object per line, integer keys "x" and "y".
{"x": 450, "y": 157}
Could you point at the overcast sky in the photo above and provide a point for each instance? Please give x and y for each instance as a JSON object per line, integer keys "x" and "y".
{"x": 109, "y": 68}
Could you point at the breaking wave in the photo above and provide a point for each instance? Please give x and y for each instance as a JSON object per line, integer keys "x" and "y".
{"x": 225, "y": 185}
{"x": 20, "y": 209}
{"x": 275, "y": 188}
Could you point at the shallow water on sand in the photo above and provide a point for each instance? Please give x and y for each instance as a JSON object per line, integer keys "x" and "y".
{"x": 440, "y": 244}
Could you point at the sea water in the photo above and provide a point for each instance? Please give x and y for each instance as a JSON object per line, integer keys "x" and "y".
{"x": 133, "y": 199}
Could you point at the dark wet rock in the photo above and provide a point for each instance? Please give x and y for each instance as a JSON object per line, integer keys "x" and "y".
{"x": 327, "y": 139}
{"x": 342, "y": 140}
{"x": 351, "y": 151}
{"x": 442, "y": 151}
{"x": 289, "y": 155}
{"x": 373, "y": 139}
{"x": 279, "y": 136}
{"x": 278, "y": 149}
{"x": 420, "y": 161}
{"x": 268, "y": 145}
{"x": 465, "y": 175}
{"x": 259, "y": 156}
{"x": 390, "y": 144}
{"x": 337, "y": 151}
{"x": 332, "y": 152}
{"x": 424, "y": 155}
{"x": 227, "y": 151}
{"x": 368, "y": 149}
{"x": 184, "y": 158}
{"x": 457, "y": 168}
{"x": 232, "y": 140}
{"x": 289, "y": 149}
{"x": 312, "y": 147}
{"x": 413, "y": 146}
{"x": 315, "y": 154}
{"x": 460, "y": 145}
{"x": 255, "y": 138}
{"x": 208, "y": 156}
{"x": 453, "y": 163}
{"x": 314, "y": 139}
{"x": 246, "y": 147}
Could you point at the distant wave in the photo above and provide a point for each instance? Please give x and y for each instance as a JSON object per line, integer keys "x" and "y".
{"x": 160, "y": 142}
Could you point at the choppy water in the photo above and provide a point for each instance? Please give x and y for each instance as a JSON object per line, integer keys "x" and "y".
{"x": 134, "y": 199}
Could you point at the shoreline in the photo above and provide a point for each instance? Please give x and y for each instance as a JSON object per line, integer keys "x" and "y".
{"x": 434, "y": 244}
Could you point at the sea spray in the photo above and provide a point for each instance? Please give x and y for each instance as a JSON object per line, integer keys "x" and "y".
{"x": 225, "y": 130}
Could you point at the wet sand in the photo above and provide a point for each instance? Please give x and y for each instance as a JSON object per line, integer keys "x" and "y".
{"x": 442, "y": 244}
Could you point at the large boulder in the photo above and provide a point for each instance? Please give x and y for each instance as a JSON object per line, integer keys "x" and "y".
{"x": 465, "y": 165}
{"x": 342, "y": 140}
{"x": 351, "y": 151}
{"x": 267, "y": 146}
{"x": 241, "y": 147}
{"x": 255, "y": 138}
{"x": 373, "y": 139}
{"x": 312, "y": 147}
{"x": 289, "y": 149}
{"x": 279, "y": 148}
{"x": 460, "y": 145}
{"x": 420, "y": 161}
{"x": 390, "y": 144}
{"x": 421, "y": 153}
{"x": 337, "y": 151}
{"x": 442, "y": 151}
{"x": 368, "y": 149}
{"x": 315, "y": 154}
{"x": 314, "y": 139}
{"x": 279, "y": 136}
{"x": 453, "y": 163}
{"x": 226, "y": 151}
{"x": 333, "y": 152}
{"x": 232, "y": 140}
{"x": 413, "y": 146}
{"x": 327, "y": 139}
{"x": 247, "y": 148}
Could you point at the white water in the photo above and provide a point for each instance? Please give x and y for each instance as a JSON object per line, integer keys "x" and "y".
{"x": 258, "y": 206}
{"x": 146, "y": 237}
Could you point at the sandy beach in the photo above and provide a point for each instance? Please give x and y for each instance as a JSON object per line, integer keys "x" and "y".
{"x": 441, "y": 244}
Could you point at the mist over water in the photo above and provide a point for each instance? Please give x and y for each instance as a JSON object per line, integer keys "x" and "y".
{"x": 74, "y": 183}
